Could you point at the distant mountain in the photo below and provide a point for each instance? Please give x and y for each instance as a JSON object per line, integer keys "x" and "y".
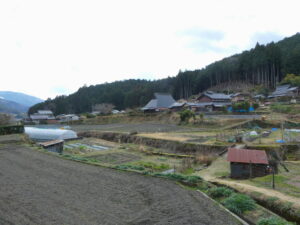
{"x": 12, "y": 107}
{"x": 20, "y": 98}
{"x": 15, "y": 102}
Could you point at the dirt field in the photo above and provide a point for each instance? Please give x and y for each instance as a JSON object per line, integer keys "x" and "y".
{"x": 140, "y": 127}
{"x": 36, "y": 188}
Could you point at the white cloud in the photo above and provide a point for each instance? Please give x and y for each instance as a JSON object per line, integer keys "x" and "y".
{"x": 54, "y": 47}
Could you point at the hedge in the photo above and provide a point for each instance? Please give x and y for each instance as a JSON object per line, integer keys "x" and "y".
{"x": 13, "y": 129}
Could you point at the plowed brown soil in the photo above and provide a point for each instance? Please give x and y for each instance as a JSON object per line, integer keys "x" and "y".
{"x": 37, "y": 188}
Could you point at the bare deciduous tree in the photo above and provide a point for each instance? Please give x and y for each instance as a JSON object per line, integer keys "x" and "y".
{"x": 5, "y": 119}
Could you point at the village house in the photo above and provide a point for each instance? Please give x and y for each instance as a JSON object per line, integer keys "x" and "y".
{"x": 217, "y": 100}
{"x": 285, "y": 91}
{"x": 178, "y": 106}
{"x": 200, "y": 107}
{"x": 67, "y": 117}
{"x": 161, "y": 102}
{"x": 42, "y": 116}
{"x": 240, "y": 97}
{"x": 247, "y": 163}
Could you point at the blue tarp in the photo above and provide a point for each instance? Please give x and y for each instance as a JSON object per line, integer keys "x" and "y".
{"x": 230, "y": 109}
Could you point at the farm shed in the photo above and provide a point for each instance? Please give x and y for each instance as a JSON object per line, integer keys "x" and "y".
{"x": 53, "y": 146}
{"x": 161, "y": 102}
{"x": 246, "y": 163}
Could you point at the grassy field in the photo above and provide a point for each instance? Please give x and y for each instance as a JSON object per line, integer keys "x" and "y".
{"x": 285, "y": 182}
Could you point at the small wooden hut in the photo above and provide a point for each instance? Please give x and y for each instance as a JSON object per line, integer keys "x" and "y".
{"x": 53, "y": 146}
{"x": 247, "y": 163}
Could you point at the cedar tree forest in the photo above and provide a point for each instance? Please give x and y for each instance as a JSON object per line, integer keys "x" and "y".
{"x": 264, "y": 65}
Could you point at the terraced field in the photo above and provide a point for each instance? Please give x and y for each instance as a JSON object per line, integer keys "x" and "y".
{"x": 37, "y": 188}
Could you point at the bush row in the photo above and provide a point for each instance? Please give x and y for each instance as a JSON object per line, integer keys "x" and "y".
{"x": 16, "y": 129}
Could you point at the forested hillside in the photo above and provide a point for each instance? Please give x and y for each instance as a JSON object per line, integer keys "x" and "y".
{"x": 264, "y": 64}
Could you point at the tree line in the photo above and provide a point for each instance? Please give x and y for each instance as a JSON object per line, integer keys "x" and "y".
{"x": 264, "y": 65}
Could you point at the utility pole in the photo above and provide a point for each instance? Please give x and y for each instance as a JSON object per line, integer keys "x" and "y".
{"x": 273, "y": 177}
{"x": 250, "y": 170}
{"x": 282, "y": 131}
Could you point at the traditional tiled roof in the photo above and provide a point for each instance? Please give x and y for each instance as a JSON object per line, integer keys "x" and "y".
{"x": 162, "y": 100}
{"x": 45, "y": 112}
{"x": 217, "y": 96}
{"x": 152, "y": 104}
{"x": 283, "y": 90}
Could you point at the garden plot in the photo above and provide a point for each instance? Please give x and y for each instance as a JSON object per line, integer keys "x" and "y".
{"x": 135, "y": 157}
{"x": 88, "y": 146}
{"x": 197, "y": 137}
{"x": 115, "y": 158}
{"x": 80, "y": 145}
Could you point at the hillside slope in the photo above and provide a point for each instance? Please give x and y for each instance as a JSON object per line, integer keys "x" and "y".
{"x": 263, "y": 65}
{"x": 20, "y": 98}
{"x": 11, "y": 107}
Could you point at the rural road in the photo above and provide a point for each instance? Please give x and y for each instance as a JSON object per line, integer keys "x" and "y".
{"x": 37, "y": 188}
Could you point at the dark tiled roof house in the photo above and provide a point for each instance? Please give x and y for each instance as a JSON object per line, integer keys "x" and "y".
{"x": 162, "y": 101}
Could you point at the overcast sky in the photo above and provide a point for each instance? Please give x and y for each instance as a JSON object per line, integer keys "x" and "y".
{"x": 49, "y": 48}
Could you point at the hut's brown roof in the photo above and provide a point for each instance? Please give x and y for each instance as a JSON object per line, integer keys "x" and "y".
{"x": 49, "y": 143}
{"x": 247, "y": 156}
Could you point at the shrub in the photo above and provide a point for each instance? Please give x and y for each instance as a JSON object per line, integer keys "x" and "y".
{"x": 219, "y": 192}
{"x": 201, "y": 116}
{"x": 241, "y": 106}
{"x": 154, "y": 166}
{"x": 224, "y": 109}
{"x": 17, "y": 129}
{"x": 126, "y": 167}
{"x": 180, "y": 177}
{"x": 273, "y": 221}
{"x": 185, "y": 115}
{"x": 255, "y": 105}
{"x": 89, "y": 115}
{"x": 239, "y": 203}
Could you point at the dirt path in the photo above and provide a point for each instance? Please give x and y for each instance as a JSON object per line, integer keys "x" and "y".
{"x": 220, "y": 164}
{"x": 250, "y": 188}
{"x": 36, "y": 188}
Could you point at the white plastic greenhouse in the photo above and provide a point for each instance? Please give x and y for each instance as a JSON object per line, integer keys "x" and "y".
{"x": 40, "y": 134}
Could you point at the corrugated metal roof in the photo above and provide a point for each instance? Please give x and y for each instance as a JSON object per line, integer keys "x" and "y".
{"x": 49, "y": 143}
{"x": 177, "y": 104}
{"x": 221, "y": 104}
{"x": 247, "y": 156}
{"x": 202, "y": 104}
{"x": 213, "y": 95}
